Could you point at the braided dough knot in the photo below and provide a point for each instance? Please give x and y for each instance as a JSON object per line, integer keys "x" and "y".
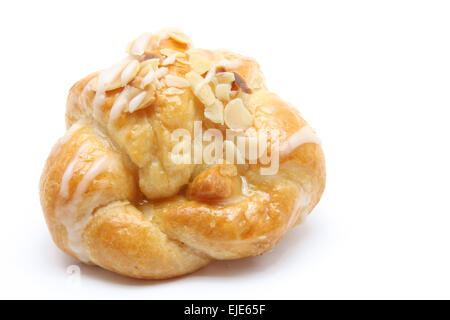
{"x": 115, "y": 194}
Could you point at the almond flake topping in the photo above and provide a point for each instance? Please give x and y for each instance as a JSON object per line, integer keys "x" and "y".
{"x": 171, "y": 55}
{"x": 225, "y": 77}
{"x": 183, "y": 61}
{"x": 111, "y": 78}
{"x": 223, "y": 91}
{"x": 240, "y": 82}
{"x": 140, "y": 44}
{"x": 168, "y": 61}
{"x": 179, "y": 37}
{"x": 170, "y": 52}
{"x": 175, "y": 81}
{"x": 201, "y": 89}
{"x": 131, "y": 99}
{"x": 137, "y": 102}
{"x": 172, "y": 91}
{"x": 214, "y": 112}
{"x": 154, "y": 76}
{"x": 199, "y": 63}
{"x": 236, "y": 115}
{"x": 147, "y": 67}
{"x": 130, "y": 72}
{"x": 150, "y": 64}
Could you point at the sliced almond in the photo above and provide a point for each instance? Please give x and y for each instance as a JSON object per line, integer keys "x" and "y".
{"x": 179, "y": 37}
{"x": 150, "y": 64}
{"x": 199, "y": 63}
{"x": 111, "y": 78}
{"x": 230, "y": 64}
{"x": 170, "y": 52}
{"x": 169, "y": 60}
{"x": 240, "y": 82}
{"x": 131, "y": 99}
{"x": 201, "y": 89}
{"x": 225, "y": 77}
{"x": 236, "y": 115}
{"x": 214, "y": 112}
{"x": 148, "y": 56}
{"x": 128, "y": 47}
{"x": 194, "y": 78}
{"x": 175, "y": 81}
{"x": 172, "y": 91}
{"x": 183, "y": 61}
{"x": 130, "y": 72}
{"x": 171, "y": 55}
{"x": 147, "y": 67}
{"x": 223, "y": 91}
{"x": 138, "y": 46}
{"x": 234, "y": 94}
{"x": 151, "y": 78}
{"x": 119, "y": 104}
{"x": 140, "y": 100}
{"x": 220, "y": 69}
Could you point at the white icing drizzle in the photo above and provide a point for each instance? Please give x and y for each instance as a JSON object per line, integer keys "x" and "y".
{"x": 72, "y": 222}
{"x": 304, "y": 135}
{"x": 68, "y": 173}
{"x": 74, "y": 128}
{"x": 244, "y": 187}
{"x": 97, "y": 167}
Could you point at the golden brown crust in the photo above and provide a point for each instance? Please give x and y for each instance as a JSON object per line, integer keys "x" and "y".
{"x": 122, "y": 240}
{"x": 215, "y": 184}
{"x": 113, "y": 194}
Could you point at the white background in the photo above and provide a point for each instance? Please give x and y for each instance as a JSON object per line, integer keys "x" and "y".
{"x": 372, "y": 77}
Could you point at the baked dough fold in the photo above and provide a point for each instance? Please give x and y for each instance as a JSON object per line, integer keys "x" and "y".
{"x": 114, "y": 195}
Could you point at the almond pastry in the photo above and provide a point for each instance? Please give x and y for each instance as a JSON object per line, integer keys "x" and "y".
{"x": 116, "y": 191}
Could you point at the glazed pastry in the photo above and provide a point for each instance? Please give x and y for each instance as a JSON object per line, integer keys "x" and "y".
{"x": 116, "y": 194}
